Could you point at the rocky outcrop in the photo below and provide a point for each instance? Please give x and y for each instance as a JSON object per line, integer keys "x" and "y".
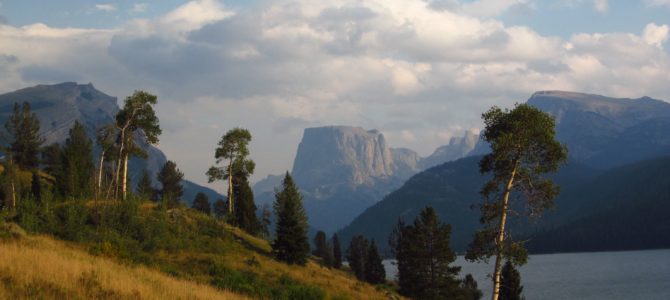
{"x": 458, "y": 147}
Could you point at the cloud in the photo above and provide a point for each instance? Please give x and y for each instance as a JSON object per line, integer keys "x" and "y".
{"x": 139, "y": 8}
{"x": 601, "y": 5}
{"x": 658, "y": 2}
{"x": 105, "y": 7}
{"x": 655, "y": 35}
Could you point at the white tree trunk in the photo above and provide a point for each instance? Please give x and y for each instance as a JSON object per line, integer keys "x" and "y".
{"x": 501, "y": 235}
{"x": 102, "y": 161}
{"x": 230, "y": 188}
{"x": 125, "y": 176}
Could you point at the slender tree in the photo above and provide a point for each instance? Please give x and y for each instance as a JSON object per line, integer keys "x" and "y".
{"x": 337, "y": 252}
{"x": 136, "y": 117}
{"x": 170, "y": 178}
{"x": 24, "y": 127}
{"x": 220, "y": 208}
{"x": 78, "y": 165}
{"x": 233, "y": 148}
{"x": 357, "y": 253}
{"x": 106, "y": 140}
{"x": 145, "y": 188}
{"x": 510, "y": 283}
{"x": 374, "y": 269}
{"x": 201, "y": 203}
{"x": 291, "y": 243}
{"x": 424, "y": 256}
{"x": 523, "y": 149}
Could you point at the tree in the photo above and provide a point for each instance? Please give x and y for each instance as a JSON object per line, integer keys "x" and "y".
{"x": 52, "y": 159}
{"x": 137, "y": 116}
{"x": 337, "y": 252}
{"x": 357, "y": 254}
{"x": 523, "y": 148}
{"x": 24, "y": 128}
{"x": 510, "y": 283}
{"x": 424, "y": 256}
{"x": 320, "y": 244}
{"x": 245, "y": 208}
{"x": 291, "y": 243}
{"x": 374, "y": 269}
{"x": 234, "y": 148}
{"x": 78, "y": 165}
{"x": 220, "y": 208}
{"x": 170, "y": 178}
{"x": 36, "y": 187}
{"x": 145, "y": 188}
{"x": 105, "y": 138}
{"x": 201, "y": 203}
{"x": 266, "y": 220}
{"x": 469, "y": 287}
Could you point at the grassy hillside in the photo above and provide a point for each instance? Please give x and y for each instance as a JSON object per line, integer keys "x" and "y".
{"x": 157, "y": 254}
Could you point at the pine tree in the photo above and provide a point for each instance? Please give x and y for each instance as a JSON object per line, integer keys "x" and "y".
{"x": 266, "y": 220}
{"x": 374, "y": 269}
{"x": 170, "y": 178}
{"x": 357, "y": 254}
{"x": 469, "y": 287}
{"x": 245, "y": 208}
{"x": 424, "y": 256}
{"x": 78, "y": 168}
{"x": 145, "y": 188}
{"x": 24, "y": 128}
{"x": 291, "y": 243}
{"x": 52, "y": 159}
{"x": 523, "y": 148}
{"x": 220, "y": 208}
{"x": 36, "y": 187}
{"x": 510, "y": 283}
{"x": 337, "y": 252}
{"x": 201, "y": 203}
{"x": 320, "y": 245}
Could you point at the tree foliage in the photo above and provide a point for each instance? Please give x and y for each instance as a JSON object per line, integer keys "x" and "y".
{"x": 24, "y": 127}
{"x": 76, "y": 177}
{"x": 523, "y": 148}
{"x": 220, "y": 208}
{"x": 170, "y": 178}
{"x": 510, "y": 283}
{"x": 201, "y": 203}
{"x": 145, "y": 189}
{"x": 245, "y": 208}
{"x": 337, "y": 252}
{"x": 291, "y": 244}
{"x": 424, "y": 258}
{"x": 357, "y": 253}
{"x": 374, "y": 269}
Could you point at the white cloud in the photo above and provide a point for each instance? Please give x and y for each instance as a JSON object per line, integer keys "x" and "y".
{"x": 139, "y": 8}
{"x": 655, "y": 35}
{"x": 105, "y": 7}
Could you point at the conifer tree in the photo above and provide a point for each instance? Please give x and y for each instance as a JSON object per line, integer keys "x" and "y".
{"x": 24, "y": 128}
{"x": 291, "y": 243}
{"x": 523, "y": 148}
{"x": 266, "y": 220}
{"x": 357, "y": 254}
{"x": 337, "y": 252}
{"x": 320, "y": 244}
{"x": 424, "y": 256}
{"x": 78, "y": 165}
{"x": 245, "y": 208}
{"x": 201, "y": 203}
{"x": 510, "y": 283}
{"x": 170, "y": 178}
{"x": 220, "y": 208}
{"x": 469, "y": 287}
{"x": 145, "y": 188}
{"x": 36, "y": 187}
{"x": 374, "y": 269}
{"x": 52, "y": 159}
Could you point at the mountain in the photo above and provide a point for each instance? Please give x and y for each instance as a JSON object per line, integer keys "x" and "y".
{"x": 458, "y": 147}
{"x": 58, "y": 106}
{"x": 604, "y": 137}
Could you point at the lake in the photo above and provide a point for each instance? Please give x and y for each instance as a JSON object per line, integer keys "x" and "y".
{"x": 595, "y": 275}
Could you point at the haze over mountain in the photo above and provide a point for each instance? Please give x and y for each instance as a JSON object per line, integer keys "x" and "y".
{"x": 599, "y": 132}
{"x": 59, "y": 106}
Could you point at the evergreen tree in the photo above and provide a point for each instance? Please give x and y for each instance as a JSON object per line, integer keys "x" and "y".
{"x": 52, "y": 159}
{"x": 201, "y": 203}
{"x": 337, "y": 252}
{"x": 357, "y": 254}
{"x": 170, "y": 178}
{"x": 145, "y": 188}
{"x": 320, "y": 244}
{"x": 24, "y": 128}
{"x": 523, "y": 148}
{"x": 78, "y": 165}
{"x": 220, "y": 208}
{"x": 245, "y": 208}
{"x": 291, "y": 243}
{"x": 510, "y": 283}
{"x": 266, "y": 220}
{"x": 469, "y": 287}
{"x": 36, "y": 187}
{"x": 374, "y": 269}
{"x": 424, "y": 256}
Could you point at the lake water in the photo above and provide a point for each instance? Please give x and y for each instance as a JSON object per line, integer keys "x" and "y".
{"x": 598, "y": 275}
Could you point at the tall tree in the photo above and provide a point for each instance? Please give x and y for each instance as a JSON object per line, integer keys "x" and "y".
{"x": 52, "y": 159}
{"x": 78, "y": 165}
{"x": 510, "y": 283}
{"x": 320, "y": 244}
{"x": 357, "y": 253}
{"x": 523, "y": 148}
{"x": 424, "y": 256}
{"x": 201, "y": 203}
{"x": 136, "y": 117}
{"x": 337, "y": 252}
{"x": 291, "y": 244}
{"x": 170, "y": 178}
{"x": 266, "y": 220}
{"x": 245, "y": 209}
{"x": 145, "y": 188}
{"x": 105, "y": 138}
{"x": 233, "y": 148}
{"x": 24, "y": 128}
{"x": 374, "y": 269}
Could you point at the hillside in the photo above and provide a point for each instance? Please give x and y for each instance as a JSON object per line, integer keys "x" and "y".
{"x": 146, "y": 243}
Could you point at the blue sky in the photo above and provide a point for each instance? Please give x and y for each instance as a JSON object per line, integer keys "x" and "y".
{"x": 420, "y": 71}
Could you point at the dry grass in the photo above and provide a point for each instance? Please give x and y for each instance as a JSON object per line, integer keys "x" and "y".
{"x": 39, "y": 267}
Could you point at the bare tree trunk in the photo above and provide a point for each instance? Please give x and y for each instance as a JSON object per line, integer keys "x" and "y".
{"x": 102, "y": 161}
{"x": 118, "y": 163}
{"x": 230, "y": 188}
{"x": 13, "y": 193}
{"x": 501, "y": 234}
{"x": 125, "y": 176}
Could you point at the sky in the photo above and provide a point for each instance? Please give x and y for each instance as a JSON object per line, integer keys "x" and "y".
{"x": 419, "y": 71}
